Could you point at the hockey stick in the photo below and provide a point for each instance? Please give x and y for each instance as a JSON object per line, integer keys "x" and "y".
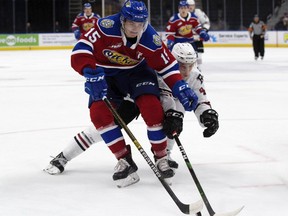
{"x": 199, "y": 187}
{"x": 193, "y": 208}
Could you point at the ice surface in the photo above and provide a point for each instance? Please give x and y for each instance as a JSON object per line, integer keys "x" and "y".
{"x": 43, "y": 105}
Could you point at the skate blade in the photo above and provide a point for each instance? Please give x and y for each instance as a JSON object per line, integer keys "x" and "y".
{"x": 52, "y": 170}
{"x": 131, "y": 179}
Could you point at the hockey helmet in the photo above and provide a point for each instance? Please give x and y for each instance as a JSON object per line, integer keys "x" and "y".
{"x": 190, "y": 2}
{"x": 183, "y": 4}
{"x": 135, "y": 11}
{"x": 87, "y": 5}
{"x": 184, "y": 53}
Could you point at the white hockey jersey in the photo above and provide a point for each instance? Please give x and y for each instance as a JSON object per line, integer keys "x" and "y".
{"x": 196, "y": 83}
{"x": 203, "y": 19}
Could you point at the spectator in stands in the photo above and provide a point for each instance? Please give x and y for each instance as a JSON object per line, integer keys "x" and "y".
{"x": 57, "y": 27}
{"x": 28, "y": 27}
{"x": 282, "y": 25}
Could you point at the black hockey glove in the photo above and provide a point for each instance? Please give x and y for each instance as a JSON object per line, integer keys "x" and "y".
{"x": 210, "y": 120}
{"x": 173, "y": 122}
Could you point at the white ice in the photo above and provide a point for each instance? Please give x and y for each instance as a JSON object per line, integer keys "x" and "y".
{"x": 43, "y": 105}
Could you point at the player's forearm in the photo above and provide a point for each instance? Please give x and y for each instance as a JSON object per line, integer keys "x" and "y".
{"x": 81, "y": 61}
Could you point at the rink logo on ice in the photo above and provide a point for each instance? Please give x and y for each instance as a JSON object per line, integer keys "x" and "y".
{"x": 19, "y": 40}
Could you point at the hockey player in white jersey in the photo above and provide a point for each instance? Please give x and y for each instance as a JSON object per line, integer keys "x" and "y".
{"x": 203, "y": 19}
{"x": 207, "y": 117}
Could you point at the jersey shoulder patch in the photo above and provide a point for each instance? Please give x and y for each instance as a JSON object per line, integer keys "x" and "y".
{"x": 151, "y": 39}
{"x": 107, "y": 23}
{"x": 110, "y": 25}
{"x": 157, "y": 40}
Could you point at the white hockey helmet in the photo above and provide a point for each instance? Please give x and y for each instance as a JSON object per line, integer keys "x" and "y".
{"x": 190, "y": 2}
{"x": 184, "y": 53}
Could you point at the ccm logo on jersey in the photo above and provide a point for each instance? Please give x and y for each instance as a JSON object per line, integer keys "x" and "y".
{"x": 119, "y": 58}
{"x": 145, "y": 84}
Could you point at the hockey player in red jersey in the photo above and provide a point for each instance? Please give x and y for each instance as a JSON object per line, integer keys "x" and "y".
{"x": 84, "y": 21}
{"x": 181, "y": 26}
{"x": 207, "y": 118}
{"x": 119, "y": 56}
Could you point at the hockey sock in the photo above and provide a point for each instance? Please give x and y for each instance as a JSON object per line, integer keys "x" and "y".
{"x": 153, "y": 115}
{"x": 81, "y": 142}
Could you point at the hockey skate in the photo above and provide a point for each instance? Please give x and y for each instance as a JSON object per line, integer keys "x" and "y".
{"x": 166, "y": 171}
{"x": 125, "y": 174}
{"x": 56, "y": 165}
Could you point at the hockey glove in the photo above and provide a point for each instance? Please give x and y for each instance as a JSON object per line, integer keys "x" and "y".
{"x": 185, "y": 94}
{"x": 173, "y": 123}
{"x": 203, "y": 35}
{"x": 95, "y": 84}
{"x": 77, "y": 34}
{"x": 210, "y": 120}
{"x": 170, "y": 44}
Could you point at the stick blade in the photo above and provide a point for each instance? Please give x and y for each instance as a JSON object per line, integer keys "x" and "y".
{"x": 233, "y": 213}
{"x": 195, "y": 207}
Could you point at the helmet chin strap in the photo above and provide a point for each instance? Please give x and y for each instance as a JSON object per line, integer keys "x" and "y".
{"x": 124, "y": 36}
{"x": 125, "y": 41}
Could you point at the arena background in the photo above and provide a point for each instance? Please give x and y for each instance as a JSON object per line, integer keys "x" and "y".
{"x": 224, "y": 14}
{"x": 229, "y": 20}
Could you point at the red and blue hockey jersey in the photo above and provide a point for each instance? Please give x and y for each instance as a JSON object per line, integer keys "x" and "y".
{"x": 105, "y": 45}
{"x": 84, "y": 23}
{"x": 180, "y": 30}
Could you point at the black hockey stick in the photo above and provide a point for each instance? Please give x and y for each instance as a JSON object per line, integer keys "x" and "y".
{"x": 193, "y": 208}
{"x": 198, "y": 185}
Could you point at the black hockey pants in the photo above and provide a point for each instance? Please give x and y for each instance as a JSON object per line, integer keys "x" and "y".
{"x": 258, "y": 45}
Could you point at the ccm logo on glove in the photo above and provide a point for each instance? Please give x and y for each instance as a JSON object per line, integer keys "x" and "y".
{"x": 95, "y": 79}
